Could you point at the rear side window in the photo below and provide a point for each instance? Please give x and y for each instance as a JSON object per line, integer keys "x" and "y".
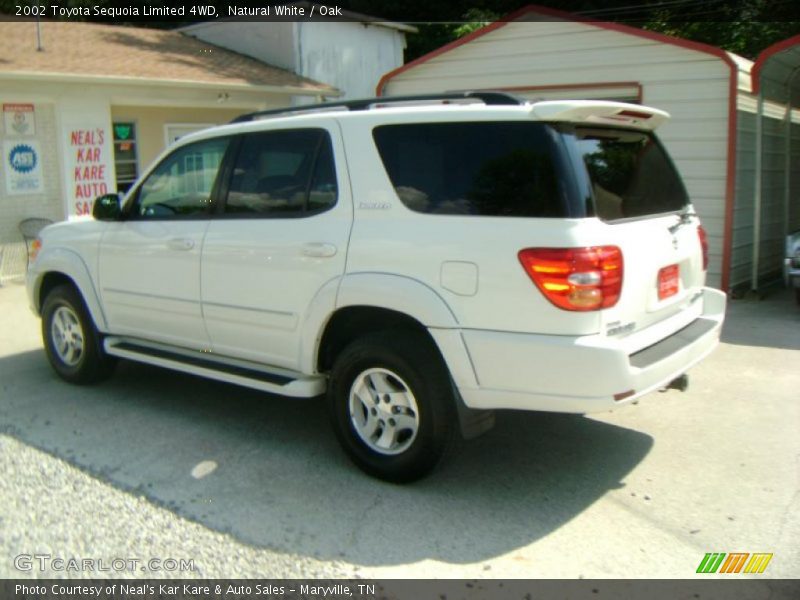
{"x": 283, "y": 173}
{"x": 505, "y": 169}
{"x": 630, "y": 173}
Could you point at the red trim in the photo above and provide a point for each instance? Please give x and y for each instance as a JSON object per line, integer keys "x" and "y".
{"x": 447, "y": 47}
{"x": 769, "y": 52}
{"x": 727, "y": 242}
{"x": 576, "y": 86}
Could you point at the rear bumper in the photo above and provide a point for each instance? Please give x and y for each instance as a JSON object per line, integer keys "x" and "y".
{"x": 584, "y": 374}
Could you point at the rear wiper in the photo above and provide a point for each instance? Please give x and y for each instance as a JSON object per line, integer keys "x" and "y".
{"x": 684, "y": 218}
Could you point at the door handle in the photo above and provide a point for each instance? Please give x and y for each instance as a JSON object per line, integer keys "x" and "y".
{"x": 319, "y": 250}
{"x": 180, "y": 244}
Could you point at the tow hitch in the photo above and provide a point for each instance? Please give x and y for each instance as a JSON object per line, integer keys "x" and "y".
{"x": 680, "y": 383}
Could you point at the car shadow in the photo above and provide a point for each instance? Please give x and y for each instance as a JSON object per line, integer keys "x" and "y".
{"x": 281, "y": 481}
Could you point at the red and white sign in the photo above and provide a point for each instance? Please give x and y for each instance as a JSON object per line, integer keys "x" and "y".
{"x": 89, "y": 174}
{"x": 19, "y": 119}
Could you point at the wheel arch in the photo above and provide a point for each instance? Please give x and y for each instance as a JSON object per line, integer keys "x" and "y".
{"x": 351, "y": 322}
{"x": 61, "y": 266}
{"x": 401, "y": 301}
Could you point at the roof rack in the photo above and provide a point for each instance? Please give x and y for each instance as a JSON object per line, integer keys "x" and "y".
{"x": 488, "y": 98}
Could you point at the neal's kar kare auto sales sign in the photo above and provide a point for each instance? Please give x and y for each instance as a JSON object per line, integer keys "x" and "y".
{"x": 22, "y": 167}
{"x": 89, "y": 171}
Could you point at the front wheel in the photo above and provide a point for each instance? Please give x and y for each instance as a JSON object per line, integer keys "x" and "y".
{"x": 391, "y": 403}
{"x": 71, "y": 341}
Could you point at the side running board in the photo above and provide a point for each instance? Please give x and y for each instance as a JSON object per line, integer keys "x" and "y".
{"x": 252, "y": 375}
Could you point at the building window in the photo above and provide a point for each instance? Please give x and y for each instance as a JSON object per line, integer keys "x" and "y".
{"x": 126, "y": 159}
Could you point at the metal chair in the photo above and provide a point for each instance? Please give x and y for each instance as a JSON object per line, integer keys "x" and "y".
{"x": 30, "y": 228}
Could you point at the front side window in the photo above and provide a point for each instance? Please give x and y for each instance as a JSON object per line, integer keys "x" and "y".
{"x": 181, "y": 185}
{"x": 503, "y": 169}
{"x": 630, "y": 173}
{"x": 283, "y": 173}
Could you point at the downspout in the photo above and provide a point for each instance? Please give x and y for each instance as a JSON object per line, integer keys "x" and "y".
{"x": 757, "y": 195}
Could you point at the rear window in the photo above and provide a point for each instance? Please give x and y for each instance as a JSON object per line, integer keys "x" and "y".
{"x": 505, "y": 169}
{"x": 631, "y": 174}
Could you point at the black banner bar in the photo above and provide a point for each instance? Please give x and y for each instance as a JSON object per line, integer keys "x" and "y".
{"x": 406, "y": 11}
{"x": 736, "y": 587}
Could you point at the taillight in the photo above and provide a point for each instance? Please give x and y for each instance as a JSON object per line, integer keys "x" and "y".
{"x": 576, "y": 278}
{"x": 701, "y": 233}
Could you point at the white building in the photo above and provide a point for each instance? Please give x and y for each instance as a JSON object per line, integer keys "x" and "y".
{"x": 89, "y": 111}
{"x": 350, "y": 53}
{"x": 541, "y": 53}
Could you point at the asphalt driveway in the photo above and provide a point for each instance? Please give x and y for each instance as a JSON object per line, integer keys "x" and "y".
{"x": 156, "y": 464}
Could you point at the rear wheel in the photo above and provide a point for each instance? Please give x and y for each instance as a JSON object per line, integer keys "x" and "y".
{"x": 71, "y": 340}
{"x": 391, "y": 402}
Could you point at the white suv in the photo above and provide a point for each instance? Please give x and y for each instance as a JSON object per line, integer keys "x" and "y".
{"x": 422, "y": 260}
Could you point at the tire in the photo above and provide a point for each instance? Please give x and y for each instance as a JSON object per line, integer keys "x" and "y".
{"x": 71, "y": 340}
{"x": 797, "y": 295}
{"x": 391, "y": 403}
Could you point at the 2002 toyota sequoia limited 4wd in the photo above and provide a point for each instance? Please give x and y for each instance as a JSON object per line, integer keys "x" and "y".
{"x": 422, "y": 260}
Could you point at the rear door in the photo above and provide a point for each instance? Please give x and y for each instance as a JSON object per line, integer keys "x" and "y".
{"x": 280, "y": 237}
{"x": 644, "y": 209}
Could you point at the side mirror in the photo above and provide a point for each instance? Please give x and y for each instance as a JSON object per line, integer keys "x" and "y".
{"x": 107, "y": 208}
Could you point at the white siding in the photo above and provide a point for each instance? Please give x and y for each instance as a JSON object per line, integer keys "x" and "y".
{"x": 350, "y": 56}
{"x": 774, "y": 222}
{"x": 794, "y": 174}
{"x": 692, "y": 86}
{"x": 270, "y": 42}
{"x": 48, "y": 203}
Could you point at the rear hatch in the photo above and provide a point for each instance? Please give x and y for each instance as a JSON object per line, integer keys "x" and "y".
{"x": 644, "y": 209}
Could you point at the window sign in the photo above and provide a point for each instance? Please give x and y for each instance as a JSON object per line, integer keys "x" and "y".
{"x": 22, "y": 167}
{"x": 19, "y": 119}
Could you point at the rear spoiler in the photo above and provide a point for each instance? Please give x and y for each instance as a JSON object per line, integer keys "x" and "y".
{"x": 599, "y": 112}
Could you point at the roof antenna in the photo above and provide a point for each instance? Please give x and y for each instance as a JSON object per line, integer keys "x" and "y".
{"x": 38, "y": 30}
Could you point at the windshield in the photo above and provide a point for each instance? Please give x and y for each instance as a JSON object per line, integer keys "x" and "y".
{"x": 631, "y": 174}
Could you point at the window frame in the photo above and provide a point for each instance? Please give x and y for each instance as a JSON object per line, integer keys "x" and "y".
{"x": 234, "y": 150}
{"x": 136, "y": 161}
{"x": 132, "y": 200}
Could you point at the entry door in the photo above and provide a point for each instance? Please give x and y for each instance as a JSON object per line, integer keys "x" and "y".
{"x": 150, "y": 262}
{"x": 280, "y": 238}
